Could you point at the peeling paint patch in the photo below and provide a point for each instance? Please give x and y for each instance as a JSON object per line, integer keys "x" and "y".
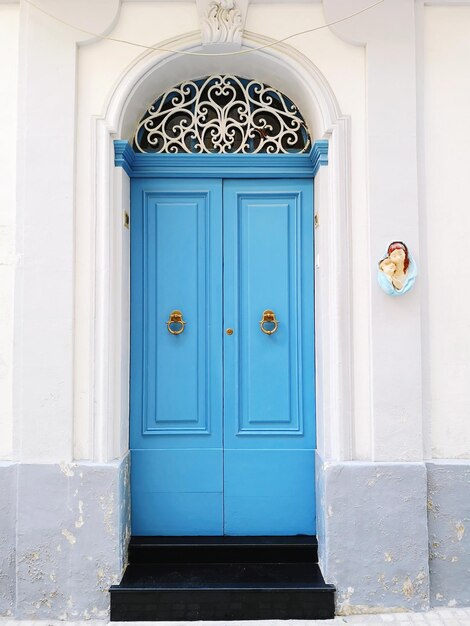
{"x": 67, "y": 469}
{"x": 32, "y": 561}
{"x": 30, "y": 557}
{"x": 459, "y": 530}
{"x": 68, "y": 535}
{"x": 79, "y": 523}
{"x": 107, "y": 506}
{"x": 408, "y": 588}
{"x": 346, "y": 597}
{"x": 364, "y": 609}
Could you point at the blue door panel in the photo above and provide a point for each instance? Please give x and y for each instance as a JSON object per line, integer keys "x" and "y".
{"x": 176, "y": 380}
{"x": 272, "y": 472}
{"x": 176, "y": 492}
{"x": 177, "y": 470}
{"x": 222, "y": 426}
{"x": 271, "y": 492}
{"x": 176, "y": 514}
{"x": 269, "y": 403}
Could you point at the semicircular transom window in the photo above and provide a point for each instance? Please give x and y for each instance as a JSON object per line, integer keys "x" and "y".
{"x": 222, "y": 114}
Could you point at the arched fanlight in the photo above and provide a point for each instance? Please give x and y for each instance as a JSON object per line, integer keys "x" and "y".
{"x": 222, "y": 114}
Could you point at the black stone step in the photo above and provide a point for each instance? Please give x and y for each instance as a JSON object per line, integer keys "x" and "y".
{"x": 298, "y": 549}
{"x": 221, "y": 591}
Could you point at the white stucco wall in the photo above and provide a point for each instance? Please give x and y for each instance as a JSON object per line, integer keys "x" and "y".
{"x": 99, "y": 67}
{"x": 444, "y": 220}
{"x": 8, "y": 119}
{"x": 446, "y": 228}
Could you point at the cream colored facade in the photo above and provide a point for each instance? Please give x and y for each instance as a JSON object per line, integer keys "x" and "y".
{"x": 390, "y": 90}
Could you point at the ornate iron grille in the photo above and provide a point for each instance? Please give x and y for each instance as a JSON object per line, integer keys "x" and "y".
{"x": 222, "y": 114}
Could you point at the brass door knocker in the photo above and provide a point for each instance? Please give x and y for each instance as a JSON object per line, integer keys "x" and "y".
{"x": 175, "y": 319}
{"x": 269, "y": 317}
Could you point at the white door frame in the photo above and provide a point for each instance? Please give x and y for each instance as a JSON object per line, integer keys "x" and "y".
{"x": 152, "y": 73}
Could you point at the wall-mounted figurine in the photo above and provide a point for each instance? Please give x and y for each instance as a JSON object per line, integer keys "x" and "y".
{"x": 397, "y": 270}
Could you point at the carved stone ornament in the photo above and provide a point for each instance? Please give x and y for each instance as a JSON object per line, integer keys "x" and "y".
{"x": 222, "y": 114}
{"x": 222, "y": 21}
{"x": 397, "y": 270}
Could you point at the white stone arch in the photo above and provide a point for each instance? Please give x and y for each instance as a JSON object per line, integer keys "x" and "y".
{"x": 151, "y": 74}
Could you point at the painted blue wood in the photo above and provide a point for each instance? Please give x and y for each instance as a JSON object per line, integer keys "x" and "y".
{"x": 177, "y": 491}
{"x": 176, "y": 380}
{"x": 269, "y": 403}
{"x": 124, "y": 155}
{"x": 149, "y": 165}
{"x": 182, "y": 480}
{"x": 269, "y": 491}
{"x": 319, "y": 155}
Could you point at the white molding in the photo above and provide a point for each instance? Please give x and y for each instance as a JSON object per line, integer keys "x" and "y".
{"x": 389, "y": 33}
{"x": 222, "y": 22}
{"x": 449, "y": 3}
{"x": 446, "y": 3}
{"x": 250, "y": 1}
{"x": 291, "y": 72}
{"x": 339, "y": 445}
{"x": 91, "y": 16}
{"x": 43, "y": 352}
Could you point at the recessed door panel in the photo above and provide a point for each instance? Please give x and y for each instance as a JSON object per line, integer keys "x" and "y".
{"x": 175, "y": 373}
{"x": 269, "y": 408}
{"x": 269, "y": 492}
{"x": 176, "y": 384}
{"x": 267, "y": 279}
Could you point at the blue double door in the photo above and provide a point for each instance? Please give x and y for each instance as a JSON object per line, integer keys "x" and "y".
{"x": 222, "y": 357}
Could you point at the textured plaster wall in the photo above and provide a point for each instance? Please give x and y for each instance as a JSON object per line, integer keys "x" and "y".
{"x": 8, "y": 474}
{"x": 8, "y": 117}
{"x": 449, "y": 532}
{"x": 72, "y": 527}
{"x": 373, "y": 535}
{"x": 445, "y": 272}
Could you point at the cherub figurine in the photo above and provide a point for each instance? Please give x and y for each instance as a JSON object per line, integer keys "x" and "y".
{"x": 397, "y": 271}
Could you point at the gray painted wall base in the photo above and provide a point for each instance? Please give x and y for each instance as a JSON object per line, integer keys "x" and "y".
{"x": 64, "y": 531}
{"x": 8, "y": 473}
{"x": 72, "y": 529}
{"x": 449, "y": 532}
{"x": 372, "y": 527}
